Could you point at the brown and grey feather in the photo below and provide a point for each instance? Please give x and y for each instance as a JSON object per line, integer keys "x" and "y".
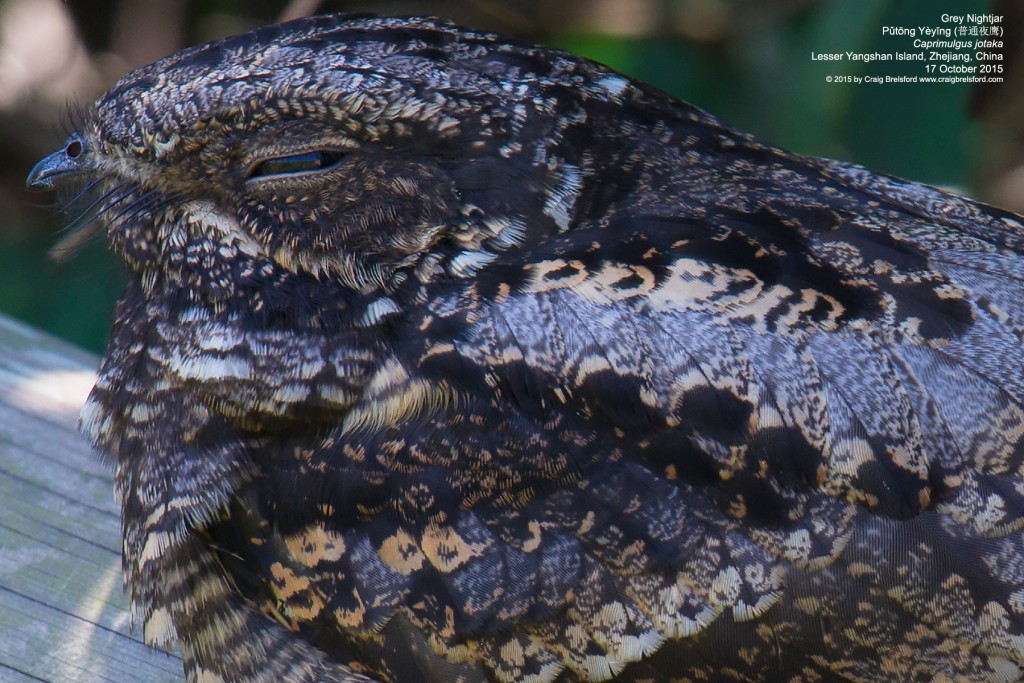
{"x": 447, "y": 357}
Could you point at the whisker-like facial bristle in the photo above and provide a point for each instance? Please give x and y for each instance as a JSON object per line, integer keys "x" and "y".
{"x": 69, "y": 245}
{"x": 74, "y": 117}
{"x": 89, "y": 220}
{"x": 67, "y": 204}
{"x": 104, "y": 202}
{"x": 136, "y": 207}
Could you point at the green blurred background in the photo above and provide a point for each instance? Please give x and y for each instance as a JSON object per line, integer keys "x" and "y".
{"x": 746, "y": 61}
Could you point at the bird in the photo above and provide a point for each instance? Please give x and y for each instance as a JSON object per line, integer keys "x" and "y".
{"x": 444, "y": 356}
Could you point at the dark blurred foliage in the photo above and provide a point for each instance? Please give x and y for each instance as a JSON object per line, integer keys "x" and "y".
{"x": 747, "y": 61}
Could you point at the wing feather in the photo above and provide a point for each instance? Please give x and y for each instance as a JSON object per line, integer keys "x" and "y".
{"x": 779, "y": 428}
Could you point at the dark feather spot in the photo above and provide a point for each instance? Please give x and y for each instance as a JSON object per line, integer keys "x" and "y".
{"x": 561, "y": 273}
{"x": 615, "y": 400}
{"x": 716, "y": 414}
{"x": 791, "y": 460}
{"x": 501, "y": 277}
{"x": 897, "y": 488}
{"x": 941, "y": 317}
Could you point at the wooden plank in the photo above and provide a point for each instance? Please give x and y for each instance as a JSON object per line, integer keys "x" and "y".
{"x": 63, "y": 613}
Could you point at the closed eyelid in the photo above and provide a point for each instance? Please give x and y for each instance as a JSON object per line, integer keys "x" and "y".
{"x": 308, "y": 162}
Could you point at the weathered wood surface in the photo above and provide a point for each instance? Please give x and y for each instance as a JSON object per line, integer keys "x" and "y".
{"x": 63, "y": 614}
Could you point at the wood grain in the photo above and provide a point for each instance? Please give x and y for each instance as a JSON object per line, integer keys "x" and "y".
{"x": 63, "y": 613}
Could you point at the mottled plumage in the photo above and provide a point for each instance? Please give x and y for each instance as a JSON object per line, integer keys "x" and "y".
{"x": 446, "y": 357}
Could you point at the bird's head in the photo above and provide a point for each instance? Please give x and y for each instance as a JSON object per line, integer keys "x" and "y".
{"x": 355, "y": 149}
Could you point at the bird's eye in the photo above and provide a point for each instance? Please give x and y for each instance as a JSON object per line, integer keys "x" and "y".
{"x": 293, "y": 165}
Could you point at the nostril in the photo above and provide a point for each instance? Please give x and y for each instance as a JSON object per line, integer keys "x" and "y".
{"x": 74, "y": 149}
